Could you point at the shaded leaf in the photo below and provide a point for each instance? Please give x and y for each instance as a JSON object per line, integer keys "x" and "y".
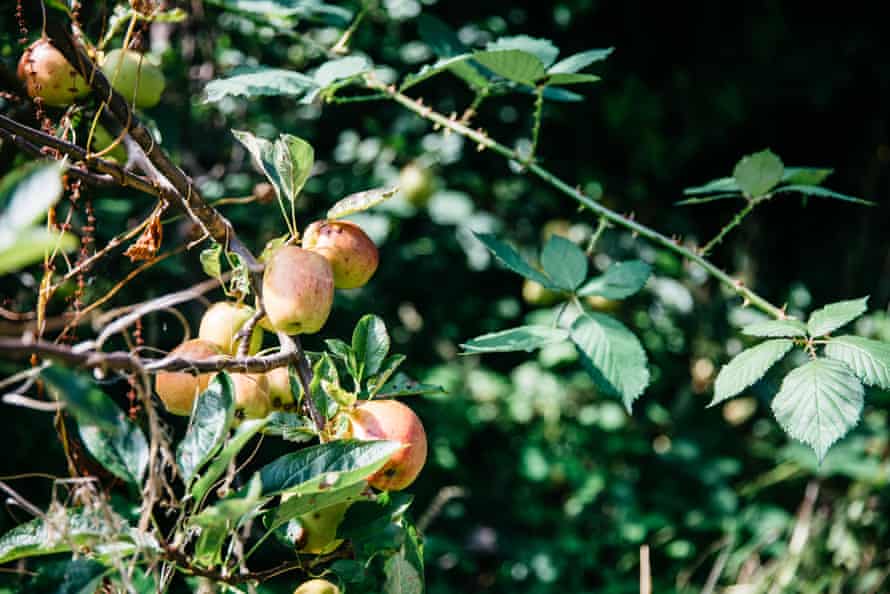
{"x": 819, "y": 403}
{"x": 334, "y": 71}
{"x": 570, "y": 79}
{"x": 401, "y": 576}
{"x": 564, "y": 262}
{"x": 62, "y": 531}
{"x": 581, "y": 60}
{"x": 542, "y": 49}
{"x": 836, "y": 315}
{"x": 210, "y": 260}
{"x": 402, "y": 385}
{"x": 808, "y": 176}
{"x": 619, "y": 281}
{"x": 512, "y": 260}
{"x": 290, "y": 426}
{"x": 747, "y": 367}
{"x": 720, "y": 185}
{"x": 516, "y": 65}
{"x": 523, "y": 338}
{"x": 821, "y": 192}
{"x": 211, "y": 417}
{"x": 776, "y": 329}
{"x": 259, "y": 81}
{"x": 759, "y": 173}
{"x": 294, "y": 158}
{"x": 440, "y": 37}
{"x": 246, "y": 430}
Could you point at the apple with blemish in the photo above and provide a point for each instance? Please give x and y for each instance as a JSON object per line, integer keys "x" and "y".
{"x": 351, "y": 253}
{"x": 221, "y": 323}
{"x": 251, "y": 395}
{"x": 393, "y": 421}
{"x": 49, "y": 76}
{"x": 280, "y": 393}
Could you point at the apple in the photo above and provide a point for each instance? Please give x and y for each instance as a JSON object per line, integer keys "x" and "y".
{"x": 298, "y": 290}
{"x": 317, "y": 586}
{"x": 48, "y": 75}
{"x": 417, "y": 184}
{"x": 393, "y": 421}
{"x": 178, "y": 389}
{"x": 251, "y": 395}
{"x": 102, "y": 139}
{"x": 318, "y": 529}
{"x": 221, "y": 323}
{"x": 534, "y": 293}
{"x": 279, "y": 389}
{"x": 135, "y": 76}
{"x": 351, "y": 253}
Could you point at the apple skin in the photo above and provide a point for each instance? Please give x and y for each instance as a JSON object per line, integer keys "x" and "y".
{"x": 351, "y": 253}
{"x": 102, "y": 139}
{"x": 391, "y": 420}
{"x": 221, "y": 323}
{"x": 48, "y": 75}
{"x": 139, "y": 80}
{"x": 417, "y": 184}
{"x": 298, "y": 290}
{"x": 534, "y": 293}
{"x": 178, "y": 389}
{"x": 279, "y": 389}
{"x": 319, "y": 529}
{"x": 317, "y": 586}
{"x": 251, "y": 395}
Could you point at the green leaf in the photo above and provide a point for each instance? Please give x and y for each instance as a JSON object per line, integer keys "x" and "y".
{"x": 619, "y": 281}
{"x": 707, "y": 199}
{"x": 208, "y": 549}
{"x": 819, "y": 403}
{"x": 401, "y": 576}
{"x": 27, "y": 193}
{"x": 246, "y": 430}
{"x": 542, "y": 49}
{"x": 259, "y": 81}
{"x": 360, "y": 201}
{"x": 512, "y": 260}
{"x": 402, "y": 385}
{"x": 210, "y": 260}
{"x": 523, "y": 338}
{"x": 461, "y": 66}
{"x": 717, "y": 186}
{"x": 387, "y": 369}
{"x": 370, "y": 343}
{"x": 516, "y": 65}
{"x": 340, "y": 69}
{"x": 564, "y": 262}
{"x": 759, "y": 173}
{"x": 579, "y": 61}
{"x": 836, "y": 315}
{"x": 823, "y": 193}
{"x": 338, "y": 348}
{"x": 440, "y": 37}
{"x": 58, "y": 534}
{"x": 747, "y": 367}
{"x": 808, "y": 176}
{"x": 118, "y": 444}
{"x": 290, "y": 11}
{"x": 21, "y": 248}
{"x": 264, "y": 157}
{"x": 294, "y": 158}
{"x": 212, "y": 415}
{"x": 869, "y": 359}
{"x": 328, "y": 465}
{"x": 234, "y": 509}
{"x": 776, "y": 329}
{"x": 612, "y": 356}
{"x": 75, "y": 576}
{"x": 303, "y": 503}
{"x": 570, "y": 79}
{"x": 290, "y": 427}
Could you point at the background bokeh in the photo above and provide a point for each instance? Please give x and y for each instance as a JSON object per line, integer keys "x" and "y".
{"x": 558, "y": 486}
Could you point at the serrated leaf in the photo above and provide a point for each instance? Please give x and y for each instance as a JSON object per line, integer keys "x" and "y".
{"x": 619, "y": 281}
{"x": 523, "y": 338}
{"x": 370, "y": 343}
{"x": 611, "y": 355}
{"x": 776, "y": 329}
{"x": 869, "y": 359}
{"x": 759, "y": 173}
{"x": 360, "y": 201}
{"x": 515, "y": 65}
{"x": 542, "y": 49}
{"x": 510, "y": 258}
{"x": 210, "y": 260}
{"x": 564, "y": 262}
{"x": 569, "y": 79}
{"x": 809, "y": 176}
{"x": 821, "y": 192}
{"x": 246, "y": 430}
{"x": 717, "y": 186}
{"x": 211, "y": 417}
{"x": 334, "y": 71}
{"x": 294, "y": 158}
{"x": 461, "y": 66}
{"x": 259, "y": 81}
{"x": 328, "y": 465}
{"x": 746, "y": 368}
{"x": 835, "y": 315}
{"x": 401, "y": 576}
{"x": 581, "y": 60}
{"x": 27, "y": 193}
{"x": 41, "y": 537}
{"x": 819, "y": 403}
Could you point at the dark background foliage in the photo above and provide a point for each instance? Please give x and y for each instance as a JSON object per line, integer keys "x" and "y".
{"x": 561, "y": 487}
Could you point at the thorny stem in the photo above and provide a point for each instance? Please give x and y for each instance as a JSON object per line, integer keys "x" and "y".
{"x": 484, "y": 142}
{"x": 536, "y": 126}
{"x": 735, "y": 222}
{"x": 601, "y": 226}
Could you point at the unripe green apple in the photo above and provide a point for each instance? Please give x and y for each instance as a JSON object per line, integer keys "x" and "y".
{"x": 417, "y": 184}
{"x": 102, "y": 139}
{"x": 251, "y": 395}
{"x": 298, "y": 290}
{"x": 318, "y": 533}
{"x": 279, "y": 389}
{"x": 351, "y": 253}
{"x": 48, "y": 75}
{"x": 135, "y": 76}
{"x": 178, "y": 389}
{"x": 317, "y": 586}
{"x": 221, "y": 323}
{"x": 391, "y": 420}
{"x": 534, "y": 293}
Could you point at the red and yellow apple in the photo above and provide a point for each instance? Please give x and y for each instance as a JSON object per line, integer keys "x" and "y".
{"x": 391, "y": 420}
{"x": 48, "y": 75}
{"x": 298, "y": 290}
{"x": 351, "y": 253}
{"x": 178, "y": 389}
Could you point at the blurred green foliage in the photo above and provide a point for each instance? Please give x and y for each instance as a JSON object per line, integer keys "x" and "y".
{"x": 560, "y": 487}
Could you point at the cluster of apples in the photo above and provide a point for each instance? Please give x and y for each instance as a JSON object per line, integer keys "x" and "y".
{"x": 47, "y": 75}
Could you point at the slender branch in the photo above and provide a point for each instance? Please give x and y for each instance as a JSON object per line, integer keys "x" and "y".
{"x": 735, "y": 222}
{"x": 484, "y": 142}
{"x": 304, "y": 373}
